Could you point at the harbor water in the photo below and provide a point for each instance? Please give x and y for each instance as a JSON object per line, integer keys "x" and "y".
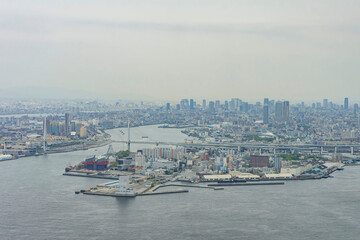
{"x": 38, "y": 202}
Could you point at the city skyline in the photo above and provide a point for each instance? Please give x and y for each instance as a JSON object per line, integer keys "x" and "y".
{"x": 139, "y": 50}
{"x": 181, "y": 119}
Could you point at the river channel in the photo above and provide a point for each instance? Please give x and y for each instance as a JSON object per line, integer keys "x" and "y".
{"x": 38, "y": 202}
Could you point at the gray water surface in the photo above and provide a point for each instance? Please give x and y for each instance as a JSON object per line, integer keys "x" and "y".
{"x": 37, "y": 202}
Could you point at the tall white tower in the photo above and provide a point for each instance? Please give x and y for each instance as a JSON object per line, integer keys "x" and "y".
{"x": 122, "y": 189}
{"x": 128, "y": 135}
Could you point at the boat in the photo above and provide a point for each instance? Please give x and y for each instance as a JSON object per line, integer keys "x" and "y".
{"x": 4, "y": 157}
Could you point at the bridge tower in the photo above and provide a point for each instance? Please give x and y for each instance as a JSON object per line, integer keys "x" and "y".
{"x": 44, "y": 142}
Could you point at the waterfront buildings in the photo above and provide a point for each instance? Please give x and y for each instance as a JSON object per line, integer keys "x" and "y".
{"x": 257, "y": 161}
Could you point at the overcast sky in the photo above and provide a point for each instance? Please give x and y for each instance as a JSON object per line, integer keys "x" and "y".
{"x": 173, "y": 49}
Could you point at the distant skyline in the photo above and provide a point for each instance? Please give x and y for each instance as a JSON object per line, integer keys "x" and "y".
{"x": 161, "y": 50}
{"x": 43, "y": 93}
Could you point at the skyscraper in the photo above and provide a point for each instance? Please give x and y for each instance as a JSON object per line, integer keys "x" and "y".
{"x": 212, "y": 106}
{"x": 325, "y": 103}
{"x": 184, "y": 104}
{"x": 278, "y": 111}
{"x": 244, "y": 107}
{"x": 286, "y": 111}
{"x": 217, "y": 104}
{"x": 346, "y": 103}
{"x": 356, "y": 109}
{"x": 192, "y": 104}
{"x": 167, "y": 106}
{"x": 83, "y": 132}
{"x": 266, "y": 101}
{"x": 277, "y": 163}
{"x": 204, "y": 103}
{"x": 67, "y": 124}
{"x": 266, "y": 114}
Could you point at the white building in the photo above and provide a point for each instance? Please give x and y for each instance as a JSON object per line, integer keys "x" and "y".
{"x": 122, "y": 189}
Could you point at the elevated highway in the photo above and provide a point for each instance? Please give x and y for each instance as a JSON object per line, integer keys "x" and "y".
{"x": 321, "y": 148}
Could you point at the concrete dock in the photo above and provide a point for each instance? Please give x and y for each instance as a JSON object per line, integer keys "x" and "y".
{"x": 109, "y": 191}
{"x": 112, "y": 194}
{"x": 189, "y": 185}
{"x": 90, "y": 175}
{"x": 246, "y": 184}
{"x": 163, "y": 192}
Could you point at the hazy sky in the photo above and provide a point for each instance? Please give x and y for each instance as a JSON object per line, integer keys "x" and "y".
{"x": 173, "y": 49}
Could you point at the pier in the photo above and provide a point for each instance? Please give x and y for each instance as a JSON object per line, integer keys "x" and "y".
{"x": 192, "y": 186}
{"x": 112, "y": 194}
{"x": 91, "y": 175}
{"x": 246, "y": 184}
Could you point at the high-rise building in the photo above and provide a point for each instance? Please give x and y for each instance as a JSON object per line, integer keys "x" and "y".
{"x": 167, "y": 106}
{"x": 266, "y": 101}
{"x": 212, "y": 106}
{"x": 238, "y": 104}
{"x": 232, "y": 104}
{"x": 346, "y": 103}
{"x": 54, "y": 128}
{"x": 204, "y": 103}
{"x": 184, "y": 104}
{"x": 192, "y": 104}
{"x": 244, "y": 107}
{"x": 217, "y": 104}
{"x": 72, "y": 126}
{"x": 259, "y": 161}
{"x": 83, "y": 132}
{"x": 325, "y": 103}
{"x": 279, "y": 111}
{"x": 67, "y": 124}
{"x": 266, "y": 114}
{"x": 277, "y": 163}
{"x": 356, "y": 108}
{"x": 286, "y": 111}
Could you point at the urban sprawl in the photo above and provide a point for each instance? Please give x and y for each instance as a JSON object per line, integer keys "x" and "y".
{"x": 227, "y": 142}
